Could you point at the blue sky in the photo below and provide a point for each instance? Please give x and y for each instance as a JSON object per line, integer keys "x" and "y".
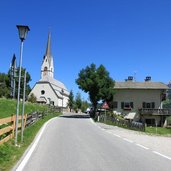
{"x": 126, "y": 36}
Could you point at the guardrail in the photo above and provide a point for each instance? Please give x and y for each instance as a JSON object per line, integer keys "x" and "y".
{"x": 7, "y": 127}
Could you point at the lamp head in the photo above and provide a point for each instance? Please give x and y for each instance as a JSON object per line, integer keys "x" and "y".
{"x": 23, "y": 30}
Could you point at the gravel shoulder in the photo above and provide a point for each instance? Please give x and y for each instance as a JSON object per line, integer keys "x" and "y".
{"x": 156, "y": 143}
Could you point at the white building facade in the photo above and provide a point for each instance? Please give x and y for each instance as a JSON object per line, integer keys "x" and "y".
{"x": 49, "y": 90}
{"x": 141, "y": 101}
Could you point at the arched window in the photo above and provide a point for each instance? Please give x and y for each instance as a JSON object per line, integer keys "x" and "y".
{"x": 45, "y": 68}
{"x": 42, "y": 92}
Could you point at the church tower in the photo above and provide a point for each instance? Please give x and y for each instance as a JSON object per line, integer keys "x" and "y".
{"x": 47, "y": 68}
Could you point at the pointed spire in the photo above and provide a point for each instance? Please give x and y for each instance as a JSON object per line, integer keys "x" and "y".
{"x": 13, "y": 62}
{"x": 48, "y": 49}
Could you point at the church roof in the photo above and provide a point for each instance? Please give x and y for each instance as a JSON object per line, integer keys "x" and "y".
{"x": 54, "y": 83}
{"x": 48, "y": 48}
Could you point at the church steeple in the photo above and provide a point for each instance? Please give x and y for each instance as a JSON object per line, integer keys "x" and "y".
{"x": 48, "y": 48}
{"x": 47, "y": 68}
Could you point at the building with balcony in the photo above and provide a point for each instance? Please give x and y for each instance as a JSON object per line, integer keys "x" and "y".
{"x": 133, "y": 100}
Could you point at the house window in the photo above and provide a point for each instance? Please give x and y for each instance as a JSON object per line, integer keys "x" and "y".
{"x": 115, "y": 105}
{"x": 42, "y": 92}
{"x": 148, "y": 105}
{"x": 127, "y": 105}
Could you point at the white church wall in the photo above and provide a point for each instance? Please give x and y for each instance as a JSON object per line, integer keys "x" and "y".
{"x": 65, "y": 101}
{"x": 48, "y": 87}
{"x": 48, "y": 93}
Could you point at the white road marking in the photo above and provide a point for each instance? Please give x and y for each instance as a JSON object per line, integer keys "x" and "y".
{"x": 109, "y": 132}
{"x": 92, "y": 121}
{"x": 169, "y": 158}
{"x": 130, "y": 141}
{"x": 28, "y": 155}
{"x": 142, "y": 146}
{"x": 117, "y": 135}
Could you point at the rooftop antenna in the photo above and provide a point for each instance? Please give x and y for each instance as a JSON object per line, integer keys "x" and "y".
{"x": 135, "y": 74}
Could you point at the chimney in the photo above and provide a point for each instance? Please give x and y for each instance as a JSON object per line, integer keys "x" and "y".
{"x": 148, "y": 79}
{"x": 130, "y": 79}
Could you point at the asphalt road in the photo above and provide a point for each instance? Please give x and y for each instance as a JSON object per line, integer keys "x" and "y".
{"x": 76, "y": 144}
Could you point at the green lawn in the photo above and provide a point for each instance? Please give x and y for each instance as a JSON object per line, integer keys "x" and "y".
{"x": 8, "y": 107}
{"x": 159, "y": 130}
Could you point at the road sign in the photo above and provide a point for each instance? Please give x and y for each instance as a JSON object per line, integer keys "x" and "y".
{"x": 105, "y": 105}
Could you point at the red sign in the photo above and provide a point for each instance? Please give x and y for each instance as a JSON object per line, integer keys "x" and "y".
{"x": 105, "y": 105}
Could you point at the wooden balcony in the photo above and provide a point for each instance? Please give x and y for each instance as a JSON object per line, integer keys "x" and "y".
{"x": 145, "y": 111}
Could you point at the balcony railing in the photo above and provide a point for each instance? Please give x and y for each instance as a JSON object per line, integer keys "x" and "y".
{"x": 146, "y": 111}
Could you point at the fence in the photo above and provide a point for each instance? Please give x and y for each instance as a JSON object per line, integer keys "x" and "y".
{"x": 7, "y": 127}
{"x": 33, "y": 117}
{"x": 123, "y": 123}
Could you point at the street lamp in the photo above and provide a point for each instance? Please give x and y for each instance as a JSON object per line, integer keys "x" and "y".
{"x": 23, "y": 107}
{"x": 22, "y": 30}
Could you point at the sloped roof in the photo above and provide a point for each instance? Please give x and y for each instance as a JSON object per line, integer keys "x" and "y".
{"x": 140, "y": 85}
{"x": 130, "y": 115}
{"x": 48, "y": 48}
{"x": 41, "y": 100}
{"x": 53, "y": 81}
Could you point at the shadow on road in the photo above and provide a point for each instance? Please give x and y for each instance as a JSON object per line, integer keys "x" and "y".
{"x": 76, "y": 116}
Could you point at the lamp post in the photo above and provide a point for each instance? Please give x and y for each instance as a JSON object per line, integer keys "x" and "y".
{"x": 62, "y": 99}
{"x": 22, "y": 30}
{"x": 23, "y": 107}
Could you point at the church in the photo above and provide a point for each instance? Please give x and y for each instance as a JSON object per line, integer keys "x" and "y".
{"x": 49, "y": 90}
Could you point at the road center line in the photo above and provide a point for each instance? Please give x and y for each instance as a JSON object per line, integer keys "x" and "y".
{"x": 130, "y": 141}
{"x": 142, "y": 146}
{"x": 169, "y": 158}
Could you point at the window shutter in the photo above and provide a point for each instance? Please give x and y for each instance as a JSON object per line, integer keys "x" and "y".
{"x": 153, "y": 105}
{"x": 122, "y": 105}
{"x": 144, "y": 105}
{"x": 115, "y": 105}
{"x": 132, "y": 105}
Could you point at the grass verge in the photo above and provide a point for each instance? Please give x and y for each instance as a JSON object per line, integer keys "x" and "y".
{"x": 9, "y": 154}
{"x": 148, "y": 130}
{"x": 8, "y": 107}
{"x": 158, "y": 131}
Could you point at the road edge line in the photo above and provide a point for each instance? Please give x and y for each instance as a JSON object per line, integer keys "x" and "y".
{"x": 139, "y": 145}
{"x": 33, "y": 146}
{"x": 130, "y": 141}
{"x": 169, "y": 158}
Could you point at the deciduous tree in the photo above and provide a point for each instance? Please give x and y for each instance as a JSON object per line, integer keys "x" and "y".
{"x": 97, "y": 83}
